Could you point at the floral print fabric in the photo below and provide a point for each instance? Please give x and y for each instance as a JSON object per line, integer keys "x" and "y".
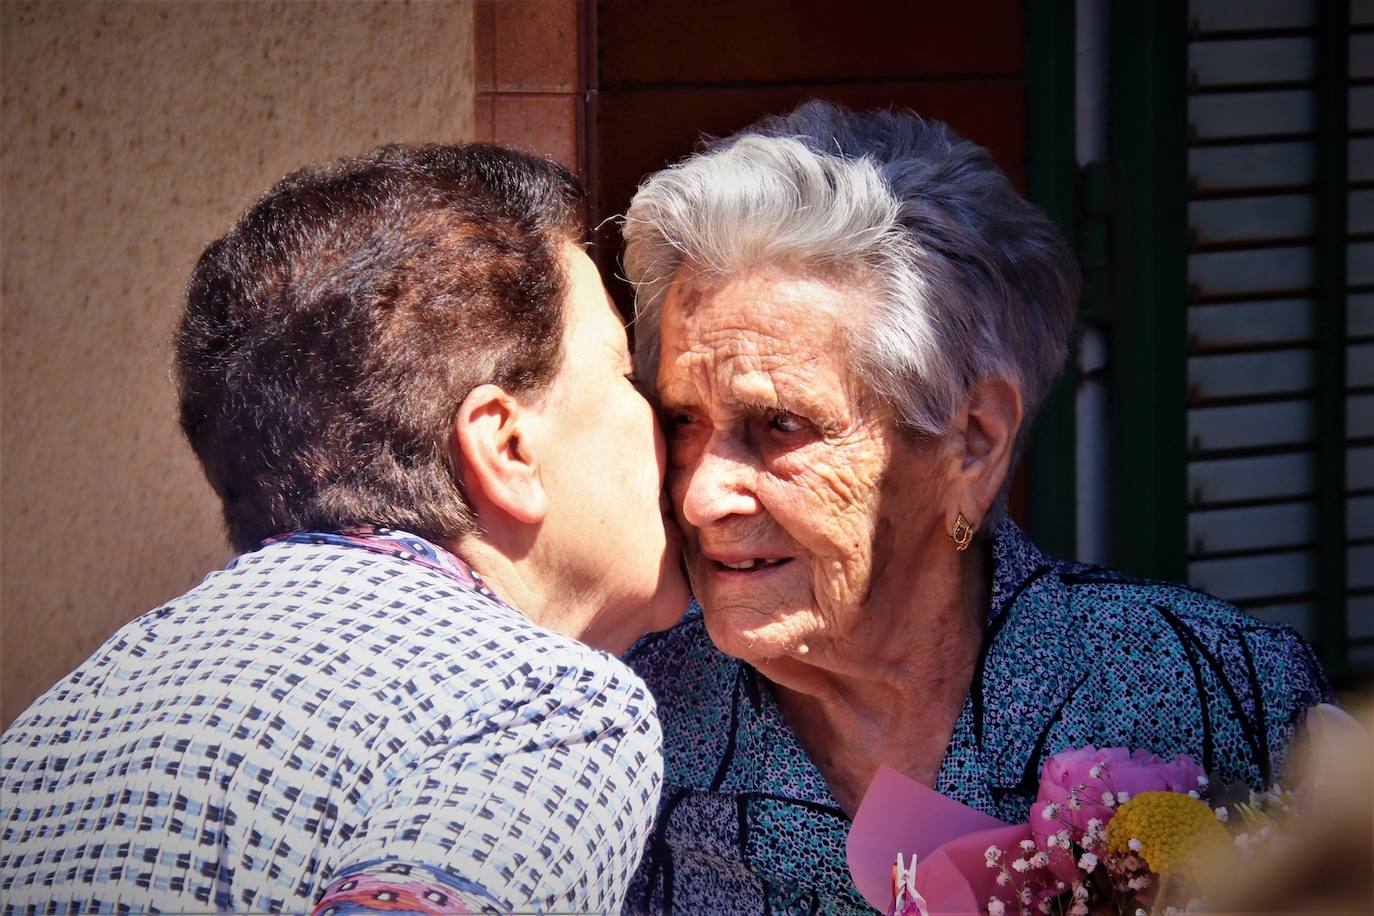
{"x": 1074, "y": 655}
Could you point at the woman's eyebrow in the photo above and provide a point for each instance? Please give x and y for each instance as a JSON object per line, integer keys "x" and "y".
{"x": 668, "y": 396}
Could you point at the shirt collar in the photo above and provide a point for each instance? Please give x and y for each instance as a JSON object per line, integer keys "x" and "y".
{"x": 1015, "y": 561}
{"x": 401, "y": 545}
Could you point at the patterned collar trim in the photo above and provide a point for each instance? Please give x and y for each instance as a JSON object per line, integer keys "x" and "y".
{"x": 401, "y": 545}
{"x": 1014, "y": 561}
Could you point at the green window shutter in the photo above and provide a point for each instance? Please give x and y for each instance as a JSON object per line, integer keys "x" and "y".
{"x": 1279, "y": 408}
{"x": 1241, "y": 301}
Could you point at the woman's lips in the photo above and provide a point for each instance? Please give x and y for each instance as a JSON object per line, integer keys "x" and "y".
{"x": 739, "y": 567}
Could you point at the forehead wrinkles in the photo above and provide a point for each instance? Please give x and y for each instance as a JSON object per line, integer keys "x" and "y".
{"x": 742, "y": 340}
{"x": 740, "y": 364}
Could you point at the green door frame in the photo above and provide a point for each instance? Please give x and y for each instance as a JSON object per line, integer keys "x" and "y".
{"x": 1148, "y": 138}
{"x": 1051, "y": 182}
{"x": 1333, "y": 49}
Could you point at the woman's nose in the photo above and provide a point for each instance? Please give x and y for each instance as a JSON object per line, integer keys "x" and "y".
{"x": 719, "y": 484}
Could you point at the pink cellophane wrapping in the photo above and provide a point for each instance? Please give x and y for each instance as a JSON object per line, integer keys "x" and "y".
{"x": 900, "y": 815}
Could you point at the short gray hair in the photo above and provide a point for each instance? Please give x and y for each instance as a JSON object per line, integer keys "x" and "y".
{"x": 969, "y": 280}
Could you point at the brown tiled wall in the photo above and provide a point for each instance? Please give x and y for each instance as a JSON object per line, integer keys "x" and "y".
{"x": 619, "y": 88}
{"x": 663, "y": 74}
{"x": 530, "y": 83}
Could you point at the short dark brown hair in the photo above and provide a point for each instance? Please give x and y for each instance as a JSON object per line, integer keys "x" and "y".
{"x": 331, "y": 335}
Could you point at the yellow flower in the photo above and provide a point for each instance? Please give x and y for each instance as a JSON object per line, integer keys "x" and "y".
{"x": 1176, "y": 832}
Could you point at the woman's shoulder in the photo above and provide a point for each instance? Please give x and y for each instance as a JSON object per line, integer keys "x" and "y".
{"x": 1127, "y": 609}
{"x": 687, "y": 674}
{"x": 428, "y": 647}
{"x": 1104, "y": 609}
{"x": 1155, "y": 665}
{"x": 679, "y": 657}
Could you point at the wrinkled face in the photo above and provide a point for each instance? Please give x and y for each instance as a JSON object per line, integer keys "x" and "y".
{"x": 609, "y": 531}
{"x": 801, "y": 504}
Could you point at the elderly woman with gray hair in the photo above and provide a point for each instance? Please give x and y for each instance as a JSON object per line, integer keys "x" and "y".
{"x": 850, "y": 319}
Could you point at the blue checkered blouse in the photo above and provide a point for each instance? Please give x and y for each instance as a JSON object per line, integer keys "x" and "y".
{"x": 352, "y": 708}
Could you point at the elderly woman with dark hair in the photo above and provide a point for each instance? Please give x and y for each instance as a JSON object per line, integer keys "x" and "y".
{"x": 404, "y": 380}
{"x": 850, "y": 319}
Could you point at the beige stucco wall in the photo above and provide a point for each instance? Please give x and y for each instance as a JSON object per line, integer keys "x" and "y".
{"x": 133, "y": 134}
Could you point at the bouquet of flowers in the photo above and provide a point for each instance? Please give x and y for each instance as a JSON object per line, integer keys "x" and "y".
{"x": 1117, "y": 831}
{"x": 1111, "y": 831}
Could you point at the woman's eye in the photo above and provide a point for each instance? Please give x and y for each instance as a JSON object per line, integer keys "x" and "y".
{"x": 784, "y": 422}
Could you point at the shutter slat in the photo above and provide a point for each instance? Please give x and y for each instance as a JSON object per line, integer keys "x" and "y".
{"x": 1260, "y": 528}
{"x": 1255, "y": 577}
{"x": 1239, "y": 272}
{"x": 1250, "y": 374}
{"x": 1241, "y": 218}
{"x": 1231, "y": 480}
{"x": 1258, "y": 165}
{"x": 1245, "y": 114}
{"x": 1230, "y": 16}
{"x": 1264, "y": 60}
{"x": 1250, "y": 426}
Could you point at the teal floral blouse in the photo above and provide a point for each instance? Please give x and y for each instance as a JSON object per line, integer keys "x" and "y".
{"x": 1073, "y": 655}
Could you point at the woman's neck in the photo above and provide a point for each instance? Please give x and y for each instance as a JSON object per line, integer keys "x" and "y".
{"x": 888, "y": 697}
{"x": 522, "y": 580}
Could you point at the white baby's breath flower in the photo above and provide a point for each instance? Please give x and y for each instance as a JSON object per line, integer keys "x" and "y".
{"x": 996, "y": 907}
{"x": 1078, "y": 909}
{"x": 1080, "y": 891}
{"x": 1059, "y": 885}
{"x": 1044, "y": 905}
{"x": 1203, "y": 782}
{"x": 1020, "y": 866}
{"x": 1123, "y": 797}
{"x": 1050, "y": 812}
{"x": 1109, "y": 799}
{"x": 1222, "y": 814}
{"x": 992, "y": 854}
{"x": 1134, "y": 844}
{"x": 1003, "y": 878}
{"x": 1039, "y": 860}
{"x": 1096, "y": 771}
{"x": 1139, "y": 882}
{"x": 1140, "y": 911}
{"x": 1063, "y": 837}
{"x": 1026, "y": 896}
{"x": 1094, "y": 823}
{"x": 1028, "y": 846}
{"x": 1074, "y": 803}
{"x": 1192, "y": 793}
{"x": 1087, "y": 862}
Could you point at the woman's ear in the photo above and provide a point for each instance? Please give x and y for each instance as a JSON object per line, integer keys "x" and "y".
{"x": 989, "y": 424}
{"x": 494, "y": 440}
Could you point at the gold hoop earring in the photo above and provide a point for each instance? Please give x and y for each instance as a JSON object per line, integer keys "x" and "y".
{"x": 962, "y": 536}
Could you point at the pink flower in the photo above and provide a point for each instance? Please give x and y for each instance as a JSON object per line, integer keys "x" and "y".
{"x": 1119, "y": 770}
